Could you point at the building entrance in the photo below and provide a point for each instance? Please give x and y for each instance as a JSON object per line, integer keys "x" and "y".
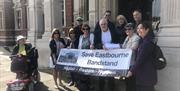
{"x": 126, "y": 7}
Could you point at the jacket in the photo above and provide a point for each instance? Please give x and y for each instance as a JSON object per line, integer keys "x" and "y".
{"x": 91, "y": 40}
{"x": 144, "y": 69}
{"x": 16, "y": 49}
{"x": 98, "y": 34}
{"x": 53, "y": 47}
{"x": 121, "y": 33}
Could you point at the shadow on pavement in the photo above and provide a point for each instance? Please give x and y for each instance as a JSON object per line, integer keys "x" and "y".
{"x": 66, "y": 88}
{"x": 48, "y": 71}
{"x": 41, "y": 87}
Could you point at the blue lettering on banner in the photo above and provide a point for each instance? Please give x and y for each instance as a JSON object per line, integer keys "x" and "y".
{"x": 103, "y": 63}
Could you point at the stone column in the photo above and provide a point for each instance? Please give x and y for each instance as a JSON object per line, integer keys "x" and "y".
{"x": 155, "y": 8}
{"x": 97, "y": 9}
{"x": 52, "y": 14}
{"x": 7, "y": 31}
{"x": 169, "y": 40}
{"x": 107, "y": 5}
{"x": 35, "y": 20}
{"x": 102, "y": 7}
{"x": 114, "y": 9}
{"x": 48, "y": 15}
{"x": 57, "y": 13}
{"x": 76, "y": 9}
{"x": 52, "y": 18}
{"x": 36, "y": 34}
{"x": 93, "y": 14}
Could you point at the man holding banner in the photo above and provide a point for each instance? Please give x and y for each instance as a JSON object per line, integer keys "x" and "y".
{"x": 105, "y": 36}
{"x": 105, "y": 64}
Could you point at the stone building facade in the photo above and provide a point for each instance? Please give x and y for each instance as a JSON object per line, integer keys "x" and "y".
{"x": 169, "y": 40}
{"x": 167, "y": 11}
{"x": 20, "y": 16}
{"x": 44, "y": 15}
{"x": 6, "y": 22}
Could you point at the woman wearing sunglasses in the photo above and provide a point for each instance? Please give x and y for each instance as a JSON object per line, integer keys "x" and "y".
{"x": 56, "y": 43}
{"x": 86, "y": 41}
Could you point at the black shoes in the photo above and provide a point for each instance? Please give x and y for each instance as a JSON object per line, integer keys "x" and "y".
{"x": 71, "y": 83}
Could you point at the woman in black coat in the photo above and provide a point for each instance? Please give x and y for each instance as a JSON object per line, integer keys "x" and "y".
{"x": 56, "y": 43}
{"x": 144, "y": 70}
{"x": 120, "y": 28}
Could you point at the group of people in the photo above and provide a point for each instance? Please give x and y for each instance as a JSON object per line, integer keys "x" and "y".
{"x": 138, "y": 36}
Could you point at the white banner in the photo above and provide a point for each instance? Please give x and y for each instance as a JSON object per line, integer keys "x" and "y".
{"x": 94, "y": 60}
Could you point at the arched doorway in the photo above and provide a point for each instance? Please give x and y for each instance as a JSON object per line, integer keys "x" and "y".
{"x": 126, "y": 7}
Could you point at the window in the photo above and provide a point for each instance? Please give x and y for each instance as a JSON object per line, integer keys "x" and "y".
{"x": 19, "y": 19}
{"x": 86, "y": 10}
{"x": 1, "y": 20}
{"x": 62, "y": 12}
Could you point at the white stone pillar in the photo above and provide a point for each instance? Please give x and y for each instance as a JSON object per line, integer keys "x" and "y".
{"x": 48, "y": 15}
{"x": 32, "y": 27}
{"x": 52, "y": 14}
{"x": 35, "y": 20}
{"x": 76, "y": 9}
{"x": 57, "y": 13}
{"x": 52, "y": 19}
{"x": 169, "y": 40}
{"x": 102, "y": 7}
{"x": 36, "y": 28}
{"x": 155, "y": 8}
{"x": 93, "y": 16}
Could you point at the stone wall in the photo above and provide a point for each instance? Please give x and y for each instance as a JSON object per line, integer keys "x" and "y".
{"x": 169, "y": 40}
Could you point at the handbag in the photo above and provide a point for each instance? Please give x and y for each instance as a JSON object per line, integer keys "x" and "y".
{"x": 51, "y": 64}
{"x": 159, "y": 59}
{"x": 19, "y": 64}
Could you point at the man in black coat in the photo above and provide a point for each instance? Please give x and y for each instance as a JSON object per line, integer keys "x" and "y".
{"x": 77, "y": 30}
{"x": 101, "y": 37}
{"x": 111, "y": 25}
{"x": 137, "y": 15}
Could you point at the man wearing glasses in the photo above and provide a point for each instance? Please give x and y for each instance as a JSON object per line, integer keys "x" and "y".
{"x": 111, "y": 25}
{"x": 104, "y": 36}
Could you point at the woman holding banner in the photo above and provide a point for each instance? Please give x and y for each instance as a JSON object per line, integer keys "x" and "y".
{"x": 86, "y": 41}
{"x": 143, "y": 69}
{"x": 73, "y": 45}
{"x": 56, "y": 43}
{"x": 131, "y": 42}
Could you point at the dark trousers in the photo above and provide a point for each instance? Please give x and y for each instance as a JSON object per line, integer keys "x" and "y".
{"x": 83, "y": 82}
{"x": 106, "y": 80}
{"x": 144, "y": 88}
{"x": 73, "y": 76}
{"x": 130, "y": 84}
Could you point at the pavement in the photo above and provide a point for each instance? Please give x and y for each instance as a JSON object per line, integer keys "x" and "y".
{"x": 46, "y": 84}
